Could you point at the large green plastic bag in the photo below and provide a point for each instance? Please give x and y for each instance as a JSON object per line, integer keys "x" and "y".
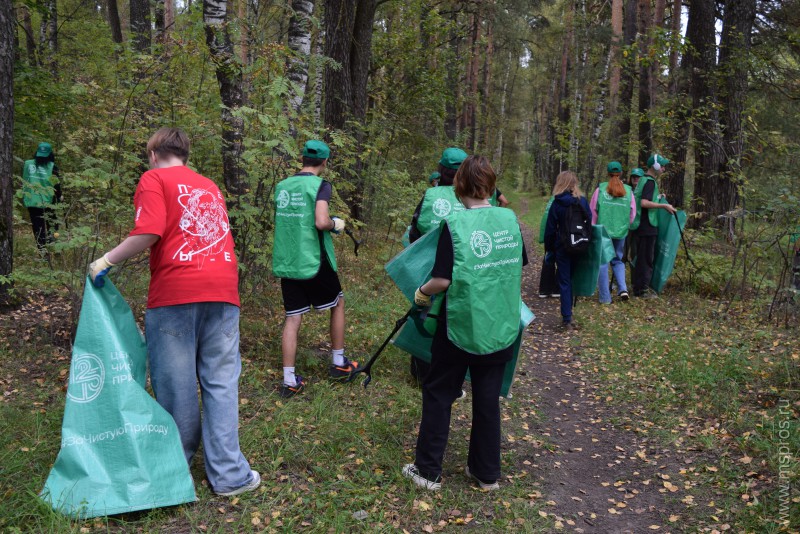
{"x": 669, "y": 240}
{"x": 120, "y": 450}
{"x": 410, "y": 269}
{"x": 587, "y": 266}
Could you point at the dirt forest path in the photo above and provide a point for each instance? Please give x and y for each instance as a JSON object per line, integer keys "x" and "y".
{"x": 594, "y": 476}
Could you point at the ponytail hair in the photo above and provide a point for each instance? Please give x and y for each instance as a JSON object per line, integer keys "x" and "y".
{"x": 615, "y": 187}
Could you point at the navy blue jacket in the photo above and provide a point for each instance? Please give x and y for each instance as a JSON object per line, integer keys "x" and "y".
{"x": 556, "y": 219}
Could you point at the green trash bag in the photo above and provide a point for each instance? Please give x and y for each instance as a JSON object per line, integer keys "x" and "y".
{"x": 410, "y": 269}
{"x": 587, "y": 266}
{"x": 120, "y": 450}
{"x": 669, "y": 240}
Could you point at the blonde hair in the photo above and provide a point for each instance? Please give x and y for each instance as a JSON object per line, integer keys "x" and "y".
{"x": 567, "y": 181}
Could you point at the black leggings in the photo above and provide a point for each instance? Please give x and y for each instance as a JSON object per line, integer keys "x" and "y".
{"x": 39, "y": 221}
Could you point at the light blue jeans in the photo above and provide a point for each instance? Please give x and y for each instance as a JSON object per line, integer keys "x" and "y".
{"x": 195, "y": 342}
{"x": 618, "y": 267}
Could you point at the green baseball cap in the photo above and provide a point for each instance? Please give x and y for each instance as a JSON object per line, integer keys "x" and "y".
{"x": 44, "y": 150}
{"x": 637, "y": 172}
{"x": 452, "y": 158}
{"x": 661, "y": 160}
{"x": 316, "y": 149}
{"x": 614, "y": 166}
{"x": 434, "y": 176}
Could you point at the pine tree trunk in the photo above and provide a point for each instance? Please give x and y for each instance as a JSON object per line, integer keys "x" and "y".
{"x": 628, "y": 74}
{"x": 244, "y": 33}
{"x": 229, "y": 77}
{"x": 27, "y": 27}
{"x": 737, "y": 25}
{"x": 7, "y": 32}
{"x": 487, "y": 71}
{"x": 113, "y": 21}
{"x": 140, "y": 25}
{"x": 644, "y": 22}
{"x": 300, "y": 45}
{"x": 614, "y": 55}
{"x": 700, "y": 69}
{"x": 338, "y": 95}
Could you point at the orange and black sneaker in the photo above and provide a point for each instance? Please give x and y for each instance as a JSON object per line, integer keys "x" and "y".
{"x": 287, "y": 391}
{"x": 342, "y": 372}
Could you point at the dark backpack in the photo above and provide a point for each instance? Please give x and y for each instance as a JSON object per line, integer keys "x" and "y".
{"x": 576, "y": 232}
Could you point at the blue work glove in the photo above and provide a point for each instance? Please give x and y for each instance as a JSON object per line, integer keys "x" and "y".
{"x": 550, "y": 258}
{"x": 98, "y": 270}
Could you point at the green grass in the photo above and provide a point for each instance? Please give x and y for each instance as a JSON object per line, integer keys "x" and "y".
{"x": 324, "y": 455}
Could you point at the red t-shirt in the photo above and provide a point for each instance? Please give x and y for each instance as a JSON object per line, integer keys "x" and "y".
{"x": 194, "y": 260}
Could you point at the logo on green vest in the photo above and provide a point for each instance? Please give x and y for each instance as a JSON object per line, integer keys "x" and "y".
{"x": 87, "y": 376}
{"x": 442, "y": 207}
{"x": 481, "y": 243}
{"x": 283, "y": 199}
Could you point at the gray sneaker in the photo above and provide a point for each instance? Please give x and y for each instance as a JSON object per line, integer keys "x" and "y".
{"x": 484, "y": 484}
{"x": 256, "y": 482}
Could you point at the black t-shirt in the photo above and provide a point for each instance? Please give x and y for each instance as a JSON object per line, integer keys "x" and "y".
{"x": 645, "y": 228}
{"x": 447, "y": 351}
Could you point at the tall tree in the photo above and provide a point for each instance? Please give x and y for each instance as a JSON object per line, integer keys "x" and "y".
{"x": 614, "y": 55}
{"x": 48, "y": 35}
{"x": 348, "y": 41}
{"x": 140, "y": 25}
{"x": 644, "y": 25}
{"x": 27, "y": 28}
{"x": 700, "y": 33}
{"x": 7, "y": 32}
{"x": 300, "y": 45}
{"x": 628, "y": 74}
{"x": 229, "y": 78}
{"x": 113, "y": 21}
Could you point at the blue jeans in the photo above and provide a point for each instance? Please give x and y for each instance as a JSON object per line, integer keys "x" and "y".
{"x": 618, "y": 267}
{"x": 200, "y": 341}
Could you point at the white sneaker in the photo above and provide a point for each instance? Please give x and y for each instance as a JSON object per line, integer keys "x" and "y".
{"x": 488, "y": 486}
{"x": 256, "y": 482}
{"x": 411, "y": 471}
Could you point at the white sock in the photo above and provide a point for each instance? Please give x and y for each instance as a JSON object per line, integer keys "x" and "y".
{"x": 338, "y": 356}
{"x": 288, "y": 376}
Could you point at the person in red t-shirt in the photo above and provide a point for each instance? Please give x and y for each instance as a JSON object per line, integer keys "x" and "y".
{"x": 192, "y": 317}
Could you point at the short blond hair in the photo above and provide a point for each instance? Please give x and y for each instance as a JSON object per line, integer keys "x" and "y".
{"x": 169, "y": 142}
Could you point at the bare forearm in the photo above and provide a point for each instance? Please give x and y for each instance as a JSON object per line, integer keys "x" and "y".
{"x": 435, "y": 286}
{"x": 130, "y": 247}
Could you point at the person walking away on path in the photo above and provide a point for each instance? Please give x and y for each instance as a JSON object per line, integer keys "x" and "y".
{"x": 303, "y": 258}
{"x": 645, "y": 223}
{"x": 40, "y": 191}
{"x": 192, "y": 316}
{"x": 566, "y": 192}
{"x": 548, "y": 279}
{"x": 614, "y": 207}
{"x": 479, "y": 262}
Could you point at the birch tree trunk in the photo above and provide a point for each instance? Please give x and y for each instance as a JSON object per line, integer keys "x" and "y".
{"x": 48, "y": 35}
{"x": 300, "y": 44}
{"x": 7, "y": 32}
{"x": 229, "y": 77}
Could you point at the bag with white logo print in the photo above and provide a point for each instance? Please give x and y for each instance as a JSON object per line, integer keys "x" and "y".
{"x": 120, "y": 450}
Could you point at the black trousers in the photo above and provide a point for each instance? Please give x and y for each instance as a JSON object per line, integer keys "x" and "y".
{"x": 548, "y": 281}
{"x": 645, "y": 256}
{"x": 441, "y": 388}
{"x": 39, "y": 218}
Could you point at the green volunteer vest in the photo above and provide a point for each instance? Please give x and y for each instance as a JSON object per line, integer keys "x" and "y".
{"x": 651, "y": 214}
{"x": 296, "y": 251}
{"x": 37, "y": 189}
{"x": 483, "y": 300}
{"x": 437, "y": 204}
{"x": 614, "y": 212}
{"x": 543, "y": 222}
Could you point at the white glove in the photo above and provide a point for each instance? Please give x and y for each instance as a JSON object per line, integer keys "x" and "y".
{"x": 338, "y": 225}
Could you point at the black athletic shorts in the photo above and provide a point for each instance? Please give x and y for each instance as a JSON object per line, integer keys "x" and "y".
{"x": 322, "y": 292}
